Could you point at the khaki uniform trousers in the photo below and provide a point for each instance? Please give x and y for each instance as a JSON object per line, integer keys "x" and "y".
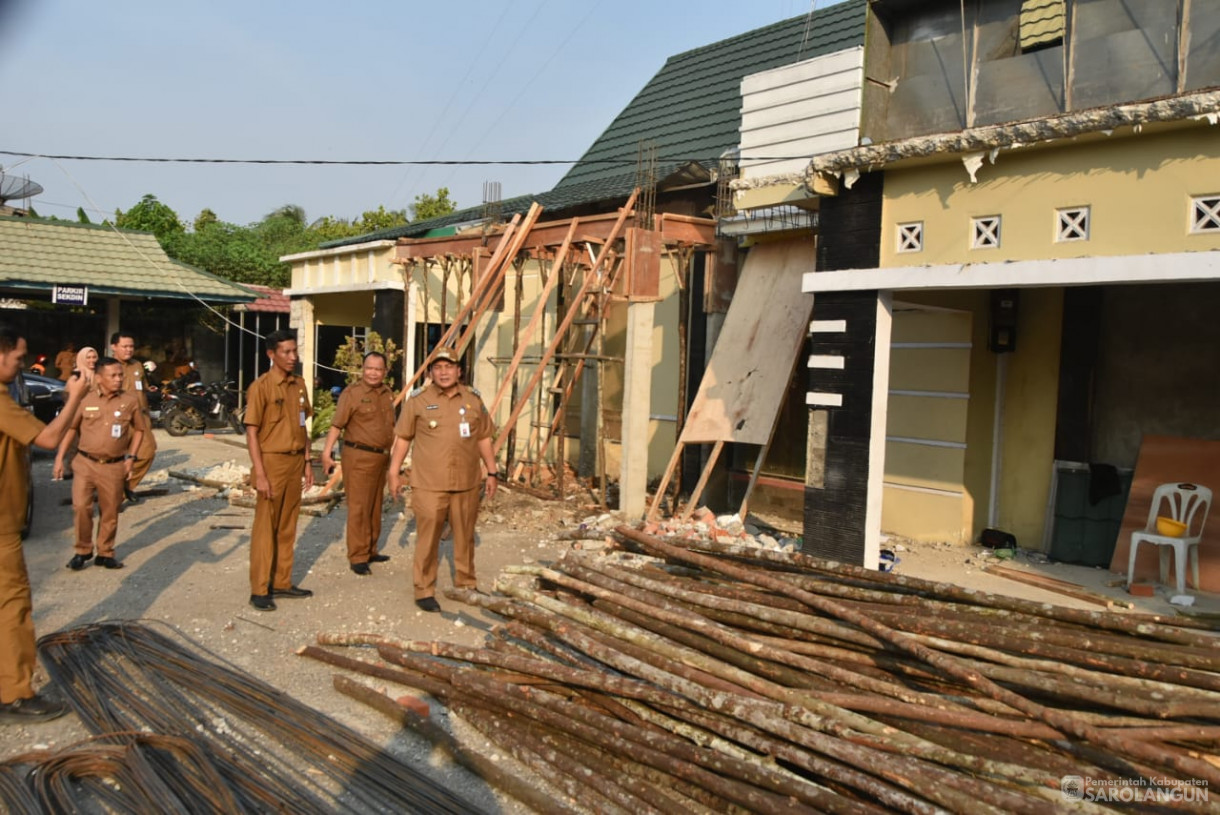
{"x": 144, "y": 457}
{"x": 274, "y": 535}
{"x": 17, "y": 652}
{"x": 107, "y": 480}
{"x": 364, "y": 477}
{"x": 431, "y": 509}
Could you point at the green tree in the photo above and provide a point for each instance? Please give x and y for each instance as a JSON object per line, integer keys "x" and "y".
{"x": 381, "y": 218}
{"x": 82, "y": 216}
{"x": 427, "y": 207}
{"x": 150, "y": 215}
{"x": 349, "y": 357}
{"x": 204, "y": 219}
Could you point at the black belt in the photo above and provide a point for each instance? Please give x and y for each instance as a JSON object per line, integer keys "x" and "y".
{"x": 285, "y": 452}
{"x": 102, "y": 459}
{"x": 379, "y": 451}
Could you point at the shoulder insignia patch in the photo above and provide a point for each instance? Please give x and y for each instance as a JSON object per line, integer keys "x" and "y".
{"x": 417, "y": 391}
{"x": 475, "y": 391}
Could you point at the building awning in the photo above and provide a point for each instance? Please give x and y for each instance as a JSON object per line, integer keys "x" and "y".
{"x": 1178, "y": 267}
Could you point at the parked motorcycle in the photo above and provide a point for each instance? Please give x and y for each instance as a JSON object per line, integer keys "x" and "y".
{"x": 195, "y": 406}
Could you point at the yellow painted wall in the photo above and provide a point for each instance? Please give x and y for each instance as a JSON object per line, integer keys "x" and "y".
{"x": 1138, "y": 189}
{"x": 1031, "y": 396}
{"x": 346, "y": 269}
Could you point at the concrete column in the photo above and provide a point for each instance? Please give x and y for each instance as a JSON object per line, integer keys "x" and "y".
{"x": 301, "y": 320}
{"x": 411, "y": 307}
{"x": 880, "y": 415}
{"x": 637, "y": 409}
{"x": 113, "y": 307}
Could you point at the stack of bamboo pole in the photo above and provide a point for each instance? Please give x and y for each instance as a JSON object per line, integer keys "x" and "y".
{"x": 734, "y": 678}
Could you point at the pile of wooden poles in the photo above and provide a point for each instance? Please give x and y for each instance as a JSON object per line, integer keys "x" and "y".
{"x": 714, "y": 678}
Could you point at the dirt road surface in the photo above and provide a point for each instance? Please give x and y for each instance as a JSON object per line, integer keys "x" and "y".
{"x": 186, "y": 556}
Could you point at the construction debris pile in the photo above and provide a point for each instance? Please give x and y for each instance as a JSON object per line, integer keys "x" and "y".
{"x": 178, "y": 733}
{"x": 710, "y": 676}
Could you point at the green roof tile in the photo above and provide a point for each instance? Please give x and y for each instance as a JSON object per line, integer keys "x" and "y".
{"x": 691, "y": 109}
{"x": 37, "y": 254}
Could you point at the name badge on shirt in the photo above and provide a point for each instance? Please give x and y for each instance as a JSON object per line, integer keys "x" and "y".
{"x": 464, "y": 430}
{"x": 302, "y": 418}
{"x": 116, "y": 431}
{"x": 139, "y": 384}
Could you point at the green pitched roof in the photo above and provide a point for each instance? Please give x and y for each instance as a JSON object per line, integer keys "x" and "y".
{"x": 691, "y": 109}
{"x": 37, "y": 254}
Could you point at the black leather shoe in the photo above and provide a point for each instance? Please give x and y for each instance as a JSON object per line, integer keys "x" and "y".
{"x": 109, "y": 563}
{"x": 131, "y": 496}
{"x": 362, "y": 569}
{"x": 262, "y": 602}
{"x": 427, "y": 604}
{"x": 34, "y": 709}
{"x": 379, "y": 558}
{"x": 292, "y": 591}
{"x": 79, "y": 562}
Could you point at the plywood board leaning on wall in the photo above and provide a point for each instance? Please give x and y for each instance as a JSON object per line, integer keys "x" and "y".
{"x": 747, "y": 377}
{"x": 1163, "y": 460}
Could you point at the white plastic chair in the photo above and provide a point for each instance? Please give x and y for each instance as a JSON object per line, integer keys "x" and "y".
{"x": 1188, "y": 503}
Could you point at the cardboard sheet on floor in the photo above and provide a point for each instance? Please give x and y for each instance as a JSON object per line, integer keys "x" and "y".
{"x": 1165, "y": 459}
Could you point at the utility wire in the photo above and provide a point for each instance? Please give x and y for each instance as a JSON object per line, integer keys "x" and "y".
{"x": 622, "y": 162}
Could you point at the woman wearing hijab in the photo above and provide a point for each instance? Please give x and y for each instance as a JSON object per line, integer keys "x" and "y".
{"x": 86, "y": 361}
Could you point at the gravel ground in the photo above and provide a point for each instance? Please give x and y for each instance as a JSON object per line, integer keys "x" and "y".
{"x": 186, "y": 567}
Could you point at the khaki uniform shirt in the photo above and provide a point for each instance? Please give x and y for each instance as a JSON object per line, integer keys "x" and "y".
{"x": 278, "y": 406}
{"x": 18, "y": 429}
{"x": 105, "y": 423}
{"x": 134, "y": 382}
{"x": 366, "y": 415}
{"x": 443, "y": 458}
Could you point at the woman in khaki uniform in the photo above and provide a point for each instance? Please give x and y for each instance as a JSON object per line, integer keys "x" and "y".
{"x": 277, "y": 407}
{"x": 110, "y": 425}
{"x": 449, "y": 431}
{"x": 365, "y": 416}
{"x": 18, "y": 430}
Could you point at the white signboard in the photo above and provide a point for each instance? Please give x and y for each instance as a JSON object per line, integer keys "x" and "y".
{"x": 70, "y": 295}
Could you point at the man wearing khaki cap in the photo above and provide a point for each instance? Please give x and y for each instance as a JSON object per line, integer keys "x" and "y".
{"x": 448, "y": 430}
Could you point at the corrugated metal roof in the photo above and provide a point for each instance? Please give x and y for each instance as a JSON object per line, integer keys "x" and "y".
{"x": 270, "y": 300}
{"x": 691, "y": 108}
{"x": 37, "y": 254}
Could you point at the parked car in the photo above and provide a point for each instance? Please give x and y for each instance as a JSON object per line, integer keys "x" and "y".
{"x": 45, "y": 396}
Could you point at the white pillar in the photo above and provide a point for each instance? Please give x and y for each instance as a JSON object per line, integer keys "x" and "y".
{"x": 112, "y": 325}
{"x": 637, "y": 408}
{"x": 408, "y": 366}
{"x": 876, "y": 438}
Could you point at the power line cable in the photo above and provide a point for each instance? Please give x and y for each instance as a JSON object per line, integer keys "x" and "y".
{"x": 623, "y": 162}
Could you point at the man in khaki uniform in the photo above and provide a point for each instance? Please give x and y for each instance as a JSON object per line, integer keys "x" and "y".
{"x": 122, "y": 347}
{"x": 447, "y": 426}
{"x": 110, "y": 425}
{"x": 365, "y": 415}
{"x": 18, "y": 430}
{"x": 277, "y": 407}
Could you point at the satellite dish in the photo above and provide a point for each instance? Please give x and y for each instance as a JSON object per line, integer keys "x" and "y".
{"x": 12, "y": 187}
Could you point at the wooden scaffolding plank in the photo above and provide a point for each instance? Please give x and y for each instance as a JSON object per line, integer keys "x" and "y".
{"x": 593, "y": 274}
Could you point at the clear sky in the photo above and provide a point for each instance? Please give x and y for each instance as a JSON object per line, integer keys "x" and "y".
{"x": 361, "y": 80}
